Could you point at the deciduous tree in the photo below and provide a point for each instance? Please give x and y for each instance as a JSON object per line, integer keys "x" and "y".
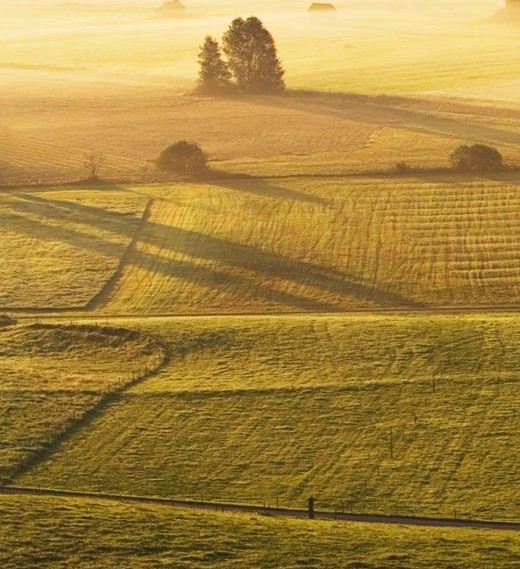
{"x": 476, "y": 158}
{"x": 183, "y": 157}
{"x": 252, "y": 57}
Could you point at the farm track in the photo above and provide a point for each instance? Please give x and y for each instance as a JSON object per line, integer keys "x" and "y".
{"x": 265, "y": 509}
{"x": 60, "y": 314}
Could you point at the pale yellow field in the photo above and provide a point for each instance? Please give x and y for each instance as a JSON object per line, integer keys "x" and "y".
{"x": 113, "y": 79}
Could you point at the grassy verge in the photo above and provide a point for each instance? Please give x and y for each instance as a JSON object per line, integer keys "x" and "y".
{"x": 71, "y": 533}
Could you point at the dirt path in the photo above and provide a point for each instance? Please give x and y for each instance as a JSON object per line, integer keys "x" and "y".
{"x": 264, "y": 510}
{"x": 101, "y": 318}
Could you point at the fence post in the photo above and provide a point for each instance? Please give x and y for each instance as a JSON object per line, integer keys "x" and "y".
{"x": 311, "y": 508}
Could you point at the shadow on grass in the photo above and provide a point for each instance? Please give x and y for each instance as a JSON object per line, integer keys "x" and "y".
{"x": 261, "y": 187}
{"x": 217, "y": 264}
{"x": 394, "y": 111}
{"x": 213, "y": 262}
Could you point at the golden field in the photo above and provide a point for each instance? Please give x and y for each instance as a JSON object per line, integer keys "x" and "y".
{"x": 304, "y": 321}
{"x": 250, "y": 245}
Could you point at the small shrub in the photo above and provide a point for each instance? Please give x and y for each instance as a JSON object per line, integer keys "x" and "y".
{"x": 183, "y": 157}
{"x": 402, "y": 168}
{"x": 476, "y": 158}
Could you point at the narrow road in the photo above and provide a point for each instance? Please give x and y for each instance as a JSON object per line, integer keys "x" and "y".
{"x": 264, "y": 510}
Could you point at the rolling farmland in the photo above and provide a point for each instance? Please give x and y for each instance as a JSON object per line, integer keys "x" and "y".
{"x": 322, "y": 245}
{"x": 53, "y": 376}
{"x": 274, "y": 409}
{"x": 311, "y": 319}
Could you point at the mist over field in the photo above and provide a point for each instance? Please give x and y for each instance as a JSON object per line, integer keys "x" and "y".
{"x": 372, "y": 46}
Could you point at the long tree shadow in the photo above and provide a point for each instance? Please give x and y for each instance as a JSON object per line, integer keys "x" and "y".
{"x": 75, "y": 212}
{"x": 263, "y": 188}
{"x": 74, "y": 238}
{"x": 262, "y": 267}
{"x": 381, "y": 110}
{"x": 265, "y": 266}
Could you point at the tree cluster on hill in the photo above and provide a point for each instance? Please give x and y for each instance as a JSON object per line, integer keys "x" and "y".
{"x": 252, "y": 64}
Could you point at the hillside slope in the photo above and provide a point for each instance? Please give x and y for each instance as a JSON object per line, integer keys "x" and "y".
{"x": 322, "y": 245}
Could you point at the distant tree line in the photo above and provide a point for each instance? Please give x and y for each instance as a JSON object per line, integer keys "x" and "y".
{"x": 251, "y": 64}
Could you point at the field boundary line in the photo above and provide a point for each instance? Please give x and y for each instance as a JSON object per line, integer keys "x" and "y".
{"x": 100, "y": 298}
{"x": 106, "y": 398}
{"x": 262, "y": 510}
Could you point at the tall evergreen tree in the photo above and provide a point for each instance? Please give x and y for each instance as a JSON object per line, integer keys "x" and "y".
{"x": 252, "y": 57}
{"x": 214, "y": 74}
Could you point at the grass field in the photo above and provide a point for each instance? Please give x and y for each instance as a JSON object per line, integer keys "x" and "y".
{"x": 263, "y": 245}
{"x": 60, "y": 245}
{"x": 52, "y": 376}
{"x": 81, "y": 534}
{"x": 411, "y": 414}
{"x": 266, "y": 409}
{"x": 322, "y": 245}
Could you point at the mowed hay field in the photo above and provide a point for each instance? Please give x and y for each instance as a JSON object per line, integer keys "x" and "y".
{"x": 69, "y": 533}
{"x": 52, "y": 376}
{"x": 397, "y": 415}
{"x": 300, "y": 133}
{"x": 118, "y": 81}
{"x": 273, "y": 245}
{"x": 59, "y": 246}
{"x": 321, "y": 245}
{"x": 411, "y": 414}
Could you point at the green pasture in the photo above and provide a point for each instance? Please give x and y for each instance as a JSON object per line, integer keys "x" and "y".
{"x": 322, "y": 245}
{"x": 60, "y": 245}
{"x": 51, "y": 377}
{"x": 398, "y": 415}
{"x": 69, "y": 533}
